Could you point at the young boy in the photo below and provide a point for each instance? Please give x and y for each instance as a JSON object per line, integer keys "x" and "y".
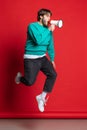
{"x": 39, "y": 41}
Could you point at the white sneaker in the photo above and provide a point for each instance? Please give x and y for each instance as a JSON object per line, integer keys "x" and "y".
{"x": 18, "y": 76}
{"x": 41, "y": 102}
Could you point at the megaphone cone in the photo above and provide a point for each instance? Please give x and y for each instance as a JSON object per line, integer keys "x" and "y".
{"x": 58, "y": 23}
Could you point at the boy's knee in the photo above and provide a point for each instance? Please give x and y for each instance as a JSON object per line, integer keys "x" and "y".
{"x": 30, "y": 83}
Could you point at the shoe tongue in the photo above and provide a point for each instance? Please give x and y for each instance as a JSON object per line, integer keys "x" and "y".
{"x": 47, "y": 98}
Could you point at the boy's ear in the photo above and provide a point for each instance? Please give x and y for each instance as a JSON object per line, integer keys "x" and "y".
{"x": 41, "y": 17}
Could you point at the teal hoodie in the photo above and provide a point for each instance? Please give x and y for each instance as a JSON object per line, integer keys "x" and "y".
{"x": 39, "y": 40}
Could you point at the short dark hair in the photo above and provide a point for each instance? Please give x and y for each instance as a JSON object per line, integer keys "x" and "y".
{"x": 42, "y": 12}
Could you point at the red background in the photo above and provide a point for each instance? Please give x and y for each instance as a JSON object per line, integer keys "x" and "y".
{"x": 69, "y": 96}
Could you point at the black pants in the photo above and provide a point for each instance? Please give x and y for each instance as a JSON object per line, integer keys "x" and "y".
{"x": 33, "y": 66}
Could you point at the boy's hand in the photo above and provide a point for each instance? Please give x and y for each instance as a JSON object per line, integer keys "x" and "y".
{"x": 54, "y": 64}
{"x": 51, "y": 27}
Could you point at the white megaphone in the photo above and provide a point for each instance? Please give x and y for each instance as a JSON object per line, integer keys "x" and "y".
{"x": 58, "y": 23}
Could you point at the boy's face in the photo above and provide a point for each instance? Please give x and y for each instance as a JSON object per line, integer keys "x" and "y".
{"x": 45, "y": 19}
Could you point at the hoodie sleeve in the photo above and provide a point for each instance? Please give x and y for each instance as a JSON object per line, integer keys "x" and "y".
{"x": 51, "y": 48}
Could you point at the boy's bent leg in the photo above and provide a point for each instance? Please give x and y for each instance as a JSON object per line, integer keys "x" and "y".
{"x": 31, "y": 69}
